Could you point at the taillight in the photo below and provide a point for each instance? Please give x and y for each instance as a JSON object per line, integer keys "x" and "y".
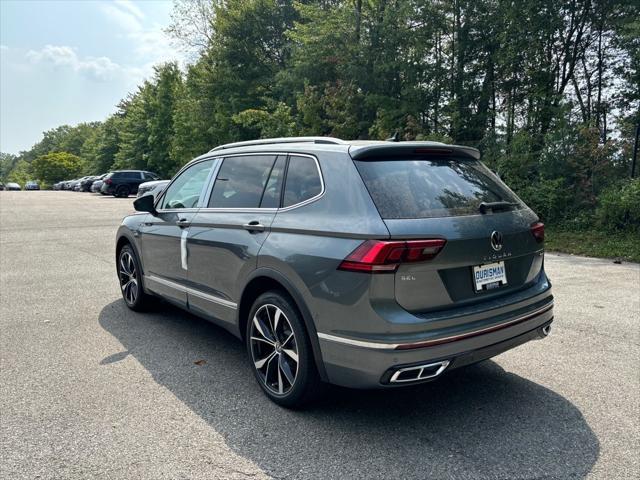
{"x": 385, "y": 256}
{"x": 537, "y": 229}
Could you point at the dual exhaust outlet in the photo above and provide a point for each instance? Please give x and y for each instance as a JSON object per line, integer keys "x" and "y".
{"x": 435, "y": 369}
{"x": 419, "y": 372}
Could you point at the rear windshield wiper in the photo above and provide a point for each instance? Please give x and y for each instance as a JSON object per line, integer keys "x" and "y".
{"x": 495, "y": 206}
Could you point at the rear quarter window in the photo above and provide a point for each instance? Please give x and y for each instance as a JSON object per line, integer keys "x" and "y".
{"x": 303, "y": 180}
{"x": 434, "y": 187}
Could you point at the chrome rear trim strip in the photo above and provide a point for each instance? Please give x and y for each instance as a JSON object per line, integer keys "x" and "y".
{"x": 435, "y": 341}
{"x": 192, "y": 291}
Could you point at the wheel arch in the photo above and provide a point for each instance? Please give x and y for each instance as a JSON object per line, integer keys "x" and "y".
{"x": 267, "y": 279}
{"x": 125, "y": 238}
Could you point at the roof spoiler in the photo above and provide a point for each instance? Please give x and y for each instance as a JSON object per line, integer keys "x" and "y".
{"x": 393, "y": 149}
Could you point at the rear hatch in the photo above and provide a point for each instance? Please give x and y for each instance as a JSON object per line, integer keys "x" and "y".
{"x": 490, "y": 250}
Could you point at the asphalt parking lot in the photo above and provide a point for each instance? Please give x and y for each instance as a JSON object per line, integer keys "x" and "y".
{"x": 91, "y": 390}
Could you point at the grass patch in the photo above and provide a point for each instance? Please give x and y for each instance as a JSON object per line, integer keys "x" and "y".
{"x": 594, "y": 243}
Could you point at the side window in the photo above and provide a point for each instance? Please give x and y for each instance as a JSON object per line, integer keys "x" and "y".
{"x": 303, "y": 180}
{"x": 185, "y": 191}
{"x": 271, "y": 195}
{"x": 241, "y": 181}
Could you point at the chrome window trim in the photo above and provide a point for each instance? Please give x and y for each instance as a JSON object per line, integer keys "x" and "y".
{"x": 205, "y": 209}
{"x": 309, "y": 200}
{"x": 192, "y": 291}
{"x": 177, "y": 210}
{"x": 393, "y": 346}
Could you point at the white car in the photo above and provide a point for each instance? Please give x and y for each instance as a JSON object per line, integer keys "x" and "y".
{"x": 154, "y": 187}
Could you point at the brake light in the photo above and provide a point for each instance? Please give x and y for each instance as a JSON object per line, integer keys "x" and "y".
{"x": 537, "y": 229}
{"x": 107, "y": 181}
{"x": 385, "y": 256}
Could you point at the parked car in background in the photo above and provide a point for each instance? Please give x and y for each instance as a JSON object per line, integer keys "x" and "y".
{"x": 96, "y": 186}
{"x": 85, "y": 185}
{"x": 76, "y": 186}
{"x": 68, "y": 184}
{"x": 154, "y": 187}
{"x": 364, "y": 264}
{"x": 1, "y": 186}
{"x": 12, "y": 186}
{"x": 123, "y": 183}
{"x": 32, "y": 185}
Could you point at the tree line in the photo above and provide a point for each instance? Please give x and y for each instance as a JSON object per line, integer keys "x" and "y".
{"x": 548, "y": 90}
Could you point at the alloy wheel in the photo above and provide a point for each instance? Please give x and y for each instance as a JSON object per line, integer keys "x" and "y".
{"x": 128, "y": 277}
{"x": 274, "y": 349}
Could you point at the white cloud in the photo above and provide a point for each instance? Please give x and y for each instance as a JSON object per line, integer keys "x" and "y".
{"x": 149, "y": 42}
{"x": 130, "y": 7}
{"x": 126, "y": 15}
{"x": 96, "y": 68}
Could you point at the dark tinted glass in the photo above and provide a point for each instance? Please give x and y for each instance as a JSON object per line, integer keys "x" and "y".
{"x": 303, "y": 181}
{"x": 241, "y": 181}
{"x": 185, "y": 191}
{"x": 271, "y": 195}
{"x": 431, "y": 188}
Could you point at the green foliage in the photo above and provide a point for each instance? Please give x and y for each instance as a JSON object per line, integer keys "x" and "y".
{"x": 548, "y": 91}
{"x": 166, "y": 86}
{"x": 594, "y": 243}
{"x": 7, "y": 163}
{"x": 21, "y": 173}
{"x": 57, "y": 166}
{"x": 133, "y": 147}
{"x": 619, "y": 207}
{"x": 278, "y": 123}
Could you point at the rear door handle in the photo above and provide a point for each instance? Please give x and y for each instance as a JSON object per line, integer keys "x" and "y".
{"x": 254, "y": 226}
{"x": 183, "y": 222}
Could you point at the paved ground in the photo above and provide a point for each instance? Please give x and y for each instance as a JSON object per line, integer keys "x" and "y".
{"x": 91, "y": 390}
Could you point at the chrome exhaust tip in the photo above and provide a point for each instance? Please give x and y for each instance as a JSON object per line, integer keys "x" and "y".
{"x": 419, "y": 372}
{"x": 546, "y": 330}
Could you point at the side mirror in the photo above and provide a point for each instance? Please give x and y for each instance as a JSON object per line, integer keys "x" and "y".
{"x": 145, "y": 204}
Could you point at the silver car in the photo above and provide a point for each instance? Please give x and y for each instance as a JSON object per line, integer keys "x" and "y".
{"x": 362, "y": 264}
{"x": 154, "y": 187}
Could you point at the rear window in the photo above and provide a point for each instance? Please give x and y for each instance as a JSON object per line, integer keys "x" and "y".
{"x": 428, "y": 188}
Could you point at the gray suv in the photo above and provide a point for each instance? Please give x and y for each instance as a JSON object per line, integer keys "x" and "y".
{"x": 358, "y": 263}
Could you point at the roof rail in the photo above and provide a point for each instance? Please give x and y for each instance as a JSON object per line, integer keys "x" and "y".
{"x": 270, "y": 141}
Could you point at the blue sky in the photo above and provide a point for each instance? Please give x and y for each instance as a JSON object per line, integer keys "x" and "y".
{"x": 65, "y": 62}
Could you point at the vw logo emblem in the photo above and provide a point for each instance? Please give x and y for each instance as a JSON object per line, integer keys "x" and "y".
{"x": 496, "y": 241}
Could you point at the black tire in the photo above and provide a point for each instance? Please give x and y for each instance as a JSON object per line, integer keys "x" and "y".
{"x": 122, "y": 191}
{"x": 130, "y": 280}
{"x": 306, "y": 384}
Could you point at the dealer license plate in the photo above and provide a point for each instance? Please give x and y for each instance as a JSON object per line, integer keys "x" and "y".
{"x": 491, "y": 275}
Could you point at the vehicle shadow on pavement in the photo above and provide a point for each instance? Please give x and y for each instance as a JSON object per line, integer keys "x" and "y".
{"x": 478, "y": 422}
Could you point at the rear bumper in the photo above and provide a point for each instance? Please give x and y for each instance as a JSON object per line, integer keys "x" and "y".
{"x": 372, "y": 364}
